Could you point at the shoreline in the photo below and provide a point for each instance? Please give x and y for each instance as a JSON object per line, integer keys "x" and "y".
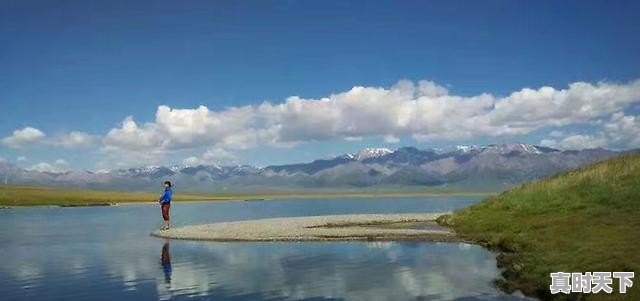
{"x": 347, "y": 227}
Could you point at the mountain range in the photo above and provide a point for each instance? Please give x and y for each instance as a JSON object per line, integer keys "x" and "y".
{"x": 477, "y": 168}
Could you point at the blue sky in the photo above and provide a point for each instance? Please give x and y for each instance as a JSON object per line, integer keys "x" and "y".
{"x": 83, "y": 67}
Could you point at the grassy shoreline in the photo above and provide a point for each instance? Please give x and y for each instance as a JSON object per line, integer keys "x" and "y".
{"x": 13, "y": 196}
{"x": 579, "y": 221}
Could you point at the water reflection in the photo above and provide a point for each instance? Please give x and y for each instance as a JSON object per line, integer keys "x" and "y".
{"x": 165, "y": 261}
{"x": 107, "y": 254}
{"x": 328, "y": 271}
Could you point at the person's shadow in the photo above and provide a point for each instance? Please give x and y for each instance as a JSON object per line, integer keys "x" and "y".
{"x": 165, "y": 260}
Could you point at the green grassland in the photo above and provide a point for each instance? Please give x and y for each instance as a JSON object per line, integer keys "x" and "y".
{"x": 33, "y": 196}
{"x": 584, "y": 220}
{"x": 11, "y": 195}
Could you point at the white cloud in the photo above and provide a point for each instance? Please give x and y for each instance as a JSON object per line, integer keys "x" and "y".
{"x": 623, "y": 131}
{"x": 132, "y": 137}
{"x": 556, "y": 134}
{"x": 22, "y": 159}
{"x": 620, "y": 132}
{"x": 59, "y": 166}
{"x": 74, "y": 139}
{"x": 218, "y": 156}
{"x": 212, "y": 156}
{"x": 423, "y": 110}
{"x": 42, "y": 167}
{"x": 46, "y": 167}
{"x": 23, "y": 137}
{"x": 173, "y": 129}
{"x": 30, "y": 136}
{"x": 191, "y": 161}
{"x": 581, "y": 102}
{"x": 575, "y": 142}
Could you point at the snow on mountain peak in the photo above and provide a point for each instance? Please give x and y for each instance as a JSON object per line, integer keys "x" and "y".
{"x": 347, "y": 156}
{"x": 530, "y": 148}
{"x": 500, "y": 148}
{"x": 466, "y": 148}
{"x": 372, "y": 153}
{"x": 176, "y": 168}
{"x": 514, "y": 147}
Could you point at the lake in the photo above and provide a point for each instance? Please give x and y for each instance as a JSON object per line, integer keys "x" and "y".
{"x": 106, "y": 253}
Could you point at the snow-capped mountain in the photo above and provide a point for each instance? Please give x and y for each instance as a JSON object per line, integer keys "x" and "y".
{"x": 502, "y": 148}
{"x": 371, "y": 153}
{"x": 487, "y": 167}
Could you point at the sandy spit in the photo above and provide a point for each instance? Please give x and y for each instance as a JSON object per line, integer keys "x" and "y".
{"x": 317, "y": 228}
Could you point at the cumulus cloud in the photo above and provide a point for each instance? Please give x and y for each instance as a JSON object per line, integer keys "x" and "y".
{"x": 556, "y": 134}
{"x": 29, "y": 136}
{"x": 218, "y": 155}
{"x": 212, "y": 156}
{"x": 58, "y": 166}
{"x": 620, "y": 132}
{"x": 22, "y": 159}
{"x": 422, "y": 110}
{"x": 23, "y": 137}
{"x": 191, "y": 161}
{"x": 174, "y": 129}
{"x": 74, "y": 139}
{"x": 529, "y": 108}
{"x": 623, "y": 131}
{"x": 577, "y": 141}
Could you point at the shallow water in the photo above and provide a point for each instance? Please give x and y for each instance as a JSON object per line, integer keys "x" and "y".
{"x": 106, "y": 253}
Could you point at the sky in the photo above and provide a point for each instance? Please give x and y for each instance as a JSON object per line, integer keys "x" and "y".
{"x": 115, "y": 84}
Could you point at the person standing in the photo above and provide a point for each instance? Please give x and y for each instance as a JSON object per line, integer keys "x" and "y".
{"x": 165, "y": 204}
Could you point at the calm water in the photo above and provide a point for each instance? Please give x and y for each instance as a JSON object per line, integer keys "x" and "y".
{"x": 106, "y": 253}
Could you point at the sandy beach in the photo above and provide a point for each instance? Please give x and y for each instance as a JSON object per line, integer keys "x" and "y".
{"x": 319, "y": 228}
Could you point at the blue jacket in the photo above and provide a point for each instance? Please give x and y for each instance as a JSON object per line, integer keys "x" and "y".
{"x": 165, "y": 198}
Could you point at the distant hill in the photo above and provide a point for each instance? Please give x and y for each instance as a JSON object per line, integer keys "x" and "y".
{"x": 584, "y": 220}
{"x": 477, "y": 168}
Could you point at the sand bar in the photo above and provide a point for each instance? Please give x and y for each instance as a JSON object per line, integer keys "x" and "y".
{"x": 319, "y": 228}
